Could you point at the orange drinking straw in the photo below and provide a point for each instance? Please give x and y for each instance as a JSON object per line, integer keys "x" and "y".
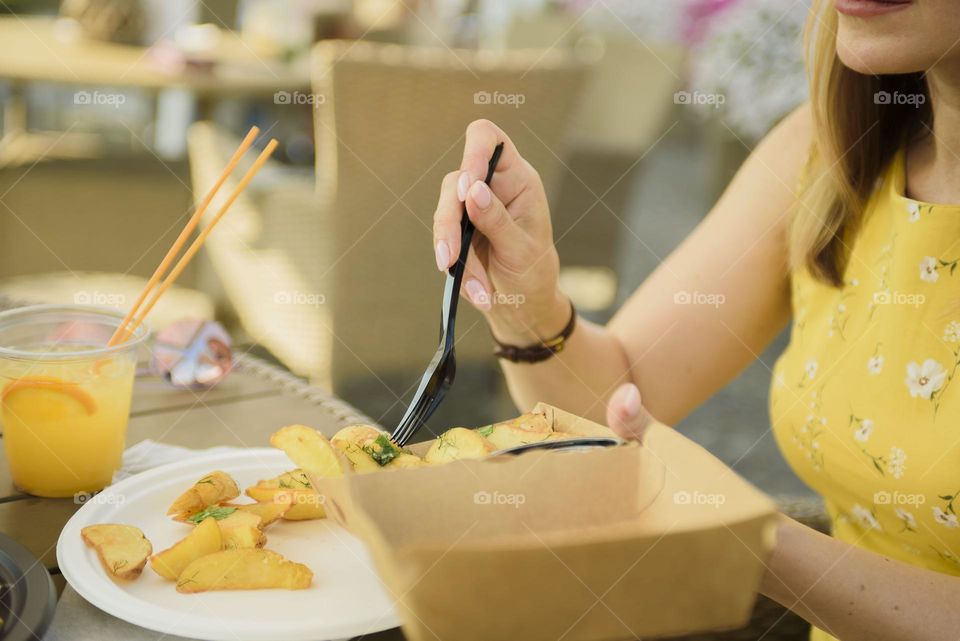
{"x": 184, "y": 235}
{"x": 198, "y": 242}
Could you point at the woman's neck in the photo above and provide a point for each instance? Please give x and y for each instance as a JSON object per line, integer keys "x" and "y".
{"x": 933, "y": 160}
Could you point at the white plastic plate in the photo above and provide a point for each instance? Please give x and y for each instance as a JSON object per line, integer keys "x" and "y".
{"x": 346, "y": 598}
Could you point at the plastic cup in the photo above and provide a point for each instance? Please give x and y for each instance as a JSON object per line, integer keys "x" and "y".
{"x": 64, "y": 396}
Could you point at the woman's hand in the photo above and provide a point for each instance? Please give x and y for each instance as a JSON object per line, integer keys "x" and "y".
{"x": 513, "y": 269}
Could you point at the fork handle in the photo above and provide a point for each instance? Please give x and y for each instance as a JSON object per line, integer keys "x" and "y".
{"x": 451, "y": 292}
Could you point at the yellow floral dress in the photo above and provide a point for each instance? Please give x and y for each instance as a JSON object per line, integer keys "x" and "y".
{"x": 863, "y": 401}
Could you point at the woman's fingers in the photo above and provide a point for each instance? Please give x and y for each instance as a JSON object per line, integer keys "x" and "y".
{"x": 625, "y": 413}
{"x": 446, "y": 223}
{"x": 491, "y": 219}
{"x": 476, "y": 286}
{"x": 512, "y": 175}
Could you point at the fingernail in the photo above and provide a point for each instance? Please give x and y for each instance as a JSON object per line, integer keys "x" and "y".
{"x": 480, "y": 194}
{"x": 442, "y": 250}
{"x": 463, "y": 184}
{"x": 478, "y": 294}
{"x": 631, "y": 401}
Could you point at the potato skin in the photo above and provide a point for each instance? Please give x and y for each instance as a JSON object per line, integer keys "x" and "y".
{"x": 123, "y": 549}
{"x": 243, "y": 569}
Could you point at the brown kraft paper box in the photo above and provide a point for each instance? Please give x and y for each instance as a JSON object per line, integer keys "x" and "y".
{"x": 624, "y": 542}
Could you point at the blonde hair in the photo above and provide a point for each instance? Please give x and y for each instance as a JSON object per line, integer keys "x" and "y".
{"x": 855, "y": 137}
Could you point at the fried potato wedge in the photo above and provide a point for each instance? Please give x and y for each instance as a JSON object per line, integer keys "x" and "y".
{"x": 205, "y": 539}
{"x": 404, "y": 461}
{"x": 360, "y": 459}
{"x": 456, "y": 444}
{"x": 268, "y": 512}
{"x": 308, "y": 449}
{"x": 241, "y": 530}
{"x": 358, "y": 434}
{"x": 529, "y": 422}
{"x": 123, "y": 549}
{"x": 292, "y": 494}
{"x": 244, "y": 569}
{"x": 213, "y": 488}
{"x": 305, "y": 511}
{"x": 504, "y": 435}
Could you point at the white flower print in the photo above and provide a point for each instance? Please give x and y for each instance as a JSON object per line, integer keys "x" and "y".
{"x": 944, "y": 518}
{"x": 865, "y": 517}
{"x": 875, "y": 364}
{"x": 951, "y": 333}
{"x": 913, "y": 212}
{"x": 863, "y": 432}
{"x": 854, "y": 282}
{"x": 925, "y": 380}
{"x": 810, "y": 367}
{"x": 928, "y": 270}
{"x": 779, "y": 380}
{"x": 896, "y": 462}
{"x": 909, "y": 521}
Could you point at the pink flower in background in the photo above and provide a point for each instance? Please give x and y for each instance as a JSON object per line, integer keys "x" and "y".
{"x": 699, "y": 13}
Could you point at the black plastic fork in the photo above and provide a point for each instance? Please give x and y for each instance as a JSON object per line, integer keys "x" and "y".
{"x": 443, "y": 367}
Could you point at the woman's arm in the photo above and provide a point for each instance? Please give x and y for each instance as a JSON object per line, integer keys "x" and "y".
{"x": 857, "y": 595}
{"x": 701, "y": 317}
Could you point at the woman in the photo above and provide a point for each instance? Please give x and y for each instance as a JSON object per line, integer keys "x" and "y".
{"x": 862, "y": 258}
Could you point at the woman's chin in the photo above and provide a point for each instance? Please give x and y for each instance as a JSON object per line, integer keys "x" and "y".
{"x": 876, "y": 59}
{"x": 876, "y": 49}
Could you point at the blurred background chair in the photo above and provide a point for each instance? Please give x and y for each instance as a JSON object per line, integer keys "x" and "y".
{"x": 609, "y": 139}
{"x": 392, "y": 125}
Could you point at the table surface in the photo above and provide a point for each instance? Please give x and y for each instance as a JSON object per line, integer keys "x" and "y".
{"x": 242, "y": 411}
{"x": 32, "y": 51}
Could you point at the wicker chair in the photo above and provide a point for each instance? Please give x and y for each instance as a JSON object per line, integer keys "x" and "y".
{"x": 271, "y": 226}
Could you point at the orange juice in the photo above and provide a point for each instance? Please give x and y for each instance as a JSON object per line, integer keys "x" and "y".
{"x": 64, "y": 400}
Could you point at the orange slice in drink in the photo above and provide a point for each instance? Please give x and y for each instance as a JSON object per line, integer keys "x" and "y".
{"x": 46, "y": 398}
